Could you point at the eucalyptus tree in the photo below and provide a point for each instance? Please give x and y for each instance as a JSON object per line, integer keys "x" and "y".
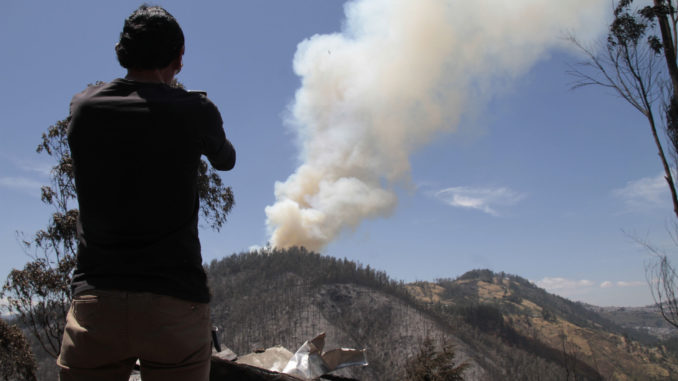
{"x": 638, "y": 62}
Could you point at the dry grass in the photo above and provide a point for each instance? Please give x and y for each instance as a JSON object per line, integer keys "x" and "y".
{"x": 613, "y": 355}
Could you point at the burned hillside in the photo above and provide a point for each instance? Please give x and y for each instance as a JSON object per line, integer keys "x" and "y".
{"x": 282, "y": 297}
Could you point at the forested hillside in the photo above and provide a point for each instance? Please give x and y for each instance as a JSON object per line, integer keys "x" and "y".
{"x": 528, "y": 317}
{"x": 646, "y": 321}
{"x": 286, "y": 297}
{"x": 503, "y": 326}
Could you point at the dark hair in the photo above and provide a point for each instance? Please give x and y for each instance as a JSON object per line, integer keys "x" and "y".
{"x": 150, "y": 39}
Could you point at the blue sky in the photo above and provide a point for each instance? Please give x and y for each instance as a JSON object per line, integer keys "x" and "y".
{"x": 536, "y": 180}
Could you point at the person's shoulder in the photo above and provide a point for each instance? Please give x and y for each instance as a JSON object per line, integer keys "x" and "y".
{"x": 198, "y": 97}
{"x": 85, "y": 96}
{"x": 197, "y": 101}
{"x": 180, "y": 96}
{"x": 90, "y": 90}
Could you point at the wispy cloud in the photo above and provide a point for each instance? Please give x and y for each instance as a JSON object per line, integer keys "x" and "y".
{"x": 635, "y": 283}
{"x": 564, "y": 285}
{"x": 643, "y": 194}
{"x": 484, "y": 199}
{"x": 605, "y": 293}
{"x": 20, "y": 183}
{"x": 27, "y": 175}
{"x": 40, "y": 167}
{"x": 557, "y": 283}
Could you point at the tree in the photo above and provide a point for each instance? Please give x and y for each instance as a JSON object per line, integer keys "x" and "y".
{"x": 39, "y": 294}
{"x": 639, "y": 64}
{"x": 16, "y": 359}
{"x": 435, "y": 365}
{"x": 631, "y": 65}
{"x": 663, "y": 281}
{"x": 569, "y": 357}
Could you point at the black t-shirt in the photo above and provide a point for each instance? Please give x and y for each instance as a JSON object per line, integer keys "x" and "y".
{"x": 136, "y": 151}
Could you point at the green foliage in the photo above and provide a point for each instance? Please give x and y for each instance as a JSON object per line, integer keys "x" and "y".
{"x": 451, "y": 291}
{"x": 16, "y": 359}
{"x": 631, "y": 25}
{"x": 216, "y": 200}
{"x": 548, "y": 315}
{"x": 628, "y": 27}
{"x": 431, "y": 364}
{"x": 39, "y": 294}
{"x": 486, "y": 317}
{"x": 671, "y": 346}
{"x": 313, "y": 267}
{"x": 484, "y": 275}
{"x": 514, "y": 298}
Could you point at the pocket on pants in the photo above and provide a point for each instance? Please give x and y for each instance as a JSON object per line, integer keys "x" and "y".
{"x": 85, "y": 309}
{"x": 174, "y": 330}
{"x": 174, "y": 309}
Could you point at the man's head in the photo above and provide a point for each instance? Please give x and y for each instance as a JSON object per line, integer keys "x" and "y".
{"x": 150, "y": 39}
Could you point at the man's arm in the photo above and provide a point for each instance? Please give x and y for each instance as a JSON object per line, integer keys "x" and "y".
{"x": 224, "y": 159}
{"x": 217, "y": 147}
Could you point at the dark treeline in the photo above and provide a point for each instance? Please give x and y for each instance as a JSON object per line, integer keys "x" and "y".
{"x": 313, "y": 267}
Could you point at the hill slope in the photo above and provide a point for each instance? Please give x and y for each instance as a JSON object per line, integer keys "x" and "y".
{"x": 504, "y": 326}
{"x": 580, "y": 334}
{"x": 645, "y": 320}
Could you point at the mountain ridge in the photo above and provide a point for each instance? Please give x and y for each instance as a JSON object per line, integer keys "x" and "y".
{"x": 503, "y": 325}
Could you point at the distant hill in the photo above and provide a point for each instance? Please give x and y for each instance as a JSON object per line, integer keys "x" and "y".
{"x": 504, "y": 326}
{"x": 645, "y": 320}
{"x": 578, "y": 332}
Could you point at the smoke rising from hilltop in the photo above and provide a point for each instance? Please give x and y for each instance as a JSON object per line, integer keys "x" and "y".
{"x": 400, "y": 72}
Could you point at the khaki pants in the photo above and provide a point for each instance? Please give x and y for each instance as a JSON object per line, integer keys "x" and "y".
{"x": 107, "y": 331}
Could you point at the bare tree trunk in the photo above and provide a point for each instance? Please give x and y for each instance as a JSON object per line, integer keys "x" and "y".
{"x": 667, "y": 168}
{"x": 668, "y": 43}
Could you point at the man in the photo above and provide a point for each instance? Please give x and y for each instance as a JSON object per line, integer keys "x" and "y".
{"x": 139, "y": 288}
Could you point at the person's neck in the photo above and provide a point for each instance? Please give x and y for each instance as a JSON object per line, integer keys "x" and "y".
{"x": 149, "y": 76}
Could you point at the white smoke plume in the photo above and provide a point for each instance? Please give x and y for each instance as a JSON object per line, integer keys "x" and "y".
{"x": 400, "y": 72}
